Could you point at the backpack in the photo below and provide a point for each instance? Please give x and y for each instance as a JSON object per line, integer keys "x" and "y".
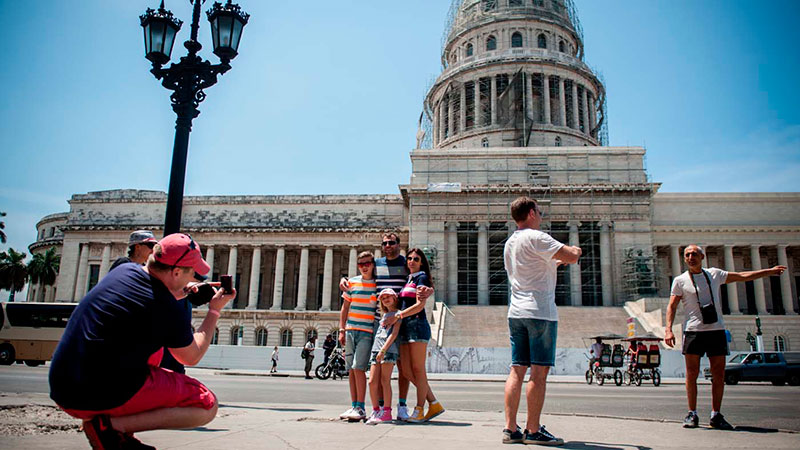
{"x": 304, "y": 354}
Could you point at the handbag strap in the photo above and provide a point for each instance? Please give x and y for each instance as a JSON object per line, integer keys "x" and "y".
{"x": 697, "y": 291}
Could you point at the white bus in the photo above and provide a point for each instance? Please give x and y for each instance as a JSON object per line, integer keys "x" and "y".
{"x": 29, "y": 332}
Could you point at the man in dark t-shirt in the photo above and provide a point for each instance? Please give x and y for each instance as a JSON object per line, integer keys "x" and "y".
{"x": 105, "y": 368}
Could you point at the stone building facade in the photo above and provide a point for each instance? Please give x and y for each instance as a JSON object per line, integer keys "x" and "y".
{"x": 516, "y": 111}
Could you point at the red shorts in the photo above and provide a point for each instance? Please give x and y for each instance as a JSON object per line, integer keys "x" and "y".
{"x": 163, "y": 389}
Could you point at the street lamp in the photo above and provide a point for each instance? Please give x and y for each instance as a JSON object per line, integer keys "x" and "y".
{"x": 188, "y": 78}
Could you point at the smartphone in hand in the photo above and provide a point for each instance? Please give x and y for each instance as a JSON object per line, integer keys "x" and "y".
{"x": 226, "y": 282}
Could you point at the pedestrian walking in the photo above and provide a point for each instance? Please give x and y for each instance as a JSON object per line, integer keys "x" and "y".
{"x": 274, "y": 359}
{"x": 308, "y": 350}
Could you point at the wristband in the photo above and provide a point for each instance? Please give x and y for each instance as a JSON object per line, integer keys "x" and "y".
{"x": 212, "y": 312}
{"x": 399, "y": 315}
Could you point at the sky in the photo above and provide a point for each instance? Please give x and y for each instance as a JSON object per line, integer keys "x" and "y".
{"x": 323, "y": 87}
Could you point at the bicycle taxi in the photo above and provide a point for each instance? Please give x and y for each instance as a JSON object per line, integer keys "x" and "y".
{"x": 643, "y": 359}
{"x": 606, "y": 365}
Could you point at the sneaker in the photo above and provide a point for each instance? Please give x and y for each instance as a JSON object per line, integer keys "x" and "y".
{"x": 381, "y": 416}
{"x": 131, "y": 443}
{"x": 434, "y": 409}
{"x": 100, "y": 434}
{"x": 402, "y": 413}
{"x": 691, "y": 420}
{"x": 718, "y": 422}
{"x": 357, "y": 414}
{"x": 372, "y": 415}
{"x": 541, "y": 437}
{"x": 512, "y": 437}
{"x": 417, "y": 416}
{"x": 346, "y": 414}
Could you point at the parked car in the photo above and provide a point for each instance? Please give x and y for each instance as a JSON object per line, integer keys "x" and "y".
{"x": 777, "y": 367}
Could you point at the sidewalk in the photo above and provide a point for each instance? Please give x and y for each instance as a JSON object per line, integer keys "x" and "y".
{"x": 258, "y": 426}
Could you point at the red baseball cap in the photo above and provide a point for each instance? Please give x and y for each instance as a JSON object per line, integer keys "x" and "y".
{"x": 181, "y": 250}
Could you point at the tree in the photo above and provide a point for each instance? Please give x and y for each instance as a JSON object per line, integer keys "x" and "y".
{"x": 44, "y": 267}
{"x": 13, "y": 272}
{"x": 2, "y": 226}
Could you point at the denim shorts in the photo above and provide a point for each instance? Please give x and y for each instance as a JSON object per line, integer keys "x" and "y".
{"x": 389, "y": 357}
{"x": 414, "y": 329}
{"x": 357, "y": 348}
{"x": 533, "y": 342}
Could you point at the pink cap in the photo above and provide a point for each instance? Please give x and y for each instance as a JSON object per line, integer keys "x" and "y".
{"x": 181, "y": 250}
{"x": 387, "y": 291}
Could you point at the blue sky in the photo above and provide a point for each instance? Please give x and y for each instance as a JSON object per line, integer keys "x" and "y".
{"x": 322, "y": 90}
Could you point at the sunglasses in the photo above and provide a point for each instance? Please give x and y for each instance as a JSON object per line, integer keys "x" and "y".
{"x": 365, "y": 264}
{"x": 149, "y": 244}
{"x": 192, "y": 246}
{"x": 388, "y": 243}
{"x": 414, "y": 258}
{"x": 693, "y": 253}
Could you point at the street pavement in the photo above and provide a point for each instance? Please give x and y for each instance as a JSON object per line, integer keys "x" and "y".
{"x": 247, "y": 419}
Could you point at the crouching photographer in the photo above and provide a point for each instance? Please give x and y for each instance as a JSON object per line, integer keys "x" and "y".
{"x": 105, "y": 368}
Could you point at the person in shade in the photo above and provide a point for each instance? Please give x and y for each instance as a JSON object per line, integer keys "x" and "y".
{"x": 140, "y": 247}
{"x": 531, "y": 258}
{"x": 698, "y": 290}
{"x": 105, "y": 368}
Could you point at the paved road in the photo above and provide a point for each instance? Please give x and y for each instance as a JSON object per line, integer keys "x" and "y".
{"x": 756, "y": 405}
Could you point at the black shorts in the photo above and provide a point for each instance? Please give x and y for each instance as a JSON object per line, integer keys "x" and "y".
{"x": 711, "y": 343}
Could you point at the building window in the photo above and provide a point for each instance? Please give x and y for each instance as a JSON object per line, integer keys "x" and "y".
{"x": 514, "y": 2}
{"x": 558, "y": 141}
{"x": 286, "y": 337}
{"x": 311, "y": 332}
{"x": 516, "y": 40}
{"x": 237, "y": 335}
{"x": 261, "y": 336}
{"x": 561, "y": 47}
{"x": 491, "y": 43}
{"x": 780, "y": 344}
{"x": 469, "y": 50}
{"x": 215, "y": 338}
{"x": 94, "y": 275}
{"x": 485, "y": 142}
{"x": 51, "y": 232}
{"x": 542, "y": 41}
{"x": 489, "y": 5}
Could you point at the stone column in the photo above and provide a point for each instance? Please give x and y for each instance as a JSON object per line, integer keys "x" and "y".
{"x": 463, "y": 109}
{"x": 494, "y": 100}
{"x": 605, "y": 264}
{"x": 435, "y": 136}
{"x": 327, "y": 279}
{"x": 352, "y": 267}
{"x": 83, "y": 270}
{"x": 575, "y": 291}
{"x": 705, "y": 262}
{"x": 210, "y": 260}
{"x": 758, "y": 285}
{"x": 105, "y": 263}
{"x": 255, "y": 277}
{"x": 592, "y": 115}
{"x": 585, "y": 111}
{"x": 546, "y": 97}
{"x": 675, "y": 260}
{"x": 442, "y": 135}
{"x": 450, "y": 119}
{"x": 452, "y": 263}
{"x": 733, "y": 295}
{"x": 233, "y": 256}
{"x": 483, "y": 264}
{"x": 575, "y": 122}
{"x": 378, "y": 253}
{"x": 786, "y": 284}
{"x": 562, "y": 100}
{"x": 528, "y": 79}
{"x": 477, "y": 116}
{"x": 302, "y": 282}
{"x": 277, "y": 291}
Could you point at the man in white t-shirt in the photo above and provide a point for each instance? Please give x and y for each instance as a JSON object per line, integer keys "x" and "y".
{"x": 698, "y": 290}
{"x": 531, "y": 259}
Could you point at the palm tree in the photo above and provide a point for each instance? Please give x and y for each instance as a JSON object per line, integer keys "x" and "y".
{"x": 44, "y": 267}
{"x": 2, "y": 226}
{"x": 13, "y": 272}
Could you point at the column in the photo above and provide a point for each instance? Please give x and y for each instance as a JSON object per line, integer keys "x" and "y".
{"x": 562, "y": 102}
{"x": 232, "y": 259}
{"x": 483, "y": 264}
{"x": 546, "y": 97}
{"x": 277, "y": 291}
{"x": 105, "y": 263}
{"x": 675, "y": 260}
{"x": 302, "y": 282}
{"x": 575, "y": 290}
{"x": 585, "y": 111}
{"x": 378, "y": 253}
{"x": 442, "y": 135}
{"x": 435, "y": 136}
{"x": 352, "y": 268}
{"x": 463, "y": 109}
{"x": 477, "y": 116}
{"x": 450, "y": 119}
{"x": 255, "y": 277}
{"x": 83, "y": 269}
{"x": 210, "y": 260}
{"x": 575, "y": 123}
{"x": 605, "y": 263}
{"x": 528, "y": 79}
{"x": 452, "y": 263}
{"x": 705, "y": 255}
{"x": 758, "y": 285}
{"x": 786, "y": 284}
{"x": 494, "y": 99}
{"x": 733, "y": 294}
{"x": 327, "y": 279}
{"x": 592, "y": 115}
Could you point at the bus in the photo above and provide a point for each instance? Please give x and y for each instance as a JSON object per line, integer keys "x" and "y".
{"x": 29, "y": 332}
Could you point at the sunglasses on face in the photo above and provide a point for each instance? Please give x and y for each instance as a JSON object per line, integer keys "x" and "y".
{"x": 149, "y": 244}
{"x": 192, "y": 246}
{"x": 364, "y": 264}
{"x": 388, "y": 243}
{"x": 414, "y": 258}
{"x": 688, "y": 254}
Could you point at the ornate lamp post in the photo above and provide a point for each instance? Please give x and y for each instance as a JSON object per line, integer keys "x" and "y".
{"x": 188, "y": 78}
